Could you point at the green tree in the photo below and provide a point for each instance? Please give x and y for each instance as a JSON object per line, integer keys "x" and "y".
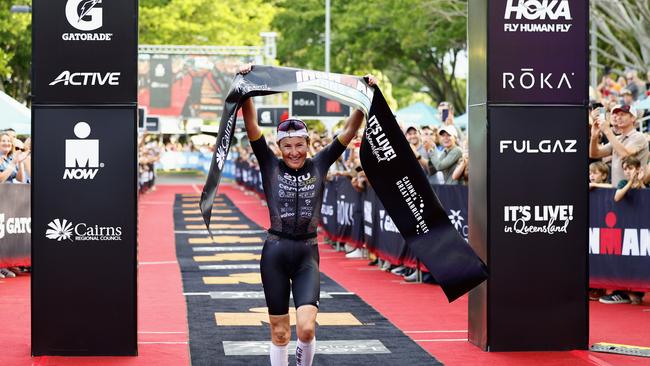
{"x": 15, "y": 51}
{"x": 204, "y": 22}
{"x": 415, "y": 43}
{"x": 623, "y": 33}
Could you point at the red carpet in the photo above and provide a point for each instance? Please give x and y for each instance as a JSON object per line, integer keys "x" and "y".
{"x": 423, "y": 313}
{"x": 162, "y": 328}
{"x": 420, "y": 310}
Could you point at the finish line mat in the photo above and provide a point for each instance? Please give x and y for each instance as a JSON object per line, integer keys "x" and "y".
{"x": 621, "y": 349}
{"x": 227, "y": 314}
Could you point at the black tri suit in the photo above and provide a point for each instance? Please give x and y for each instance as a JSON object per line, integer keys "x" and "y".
{"x": 290, "y": 254}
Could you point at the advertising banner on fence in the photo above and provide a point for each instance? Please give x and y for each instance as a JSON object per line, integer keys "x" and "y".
{"x": 619, "y": 236}
{"x": 15, "y": 225}
{"x": 387, "y": 159}
{"x": 619, "y": 240}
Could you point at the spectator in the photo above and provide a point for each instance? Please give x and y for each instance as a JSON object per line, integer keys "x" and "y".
{"x": 635, "y": 86}
{"x": 431, "y": 142}
{"x": 413, "y": 137}
{"x": 598, "y": 174}
{"x": 627, "y": 97}
{"x": 630, "y": 142}
{"x": 461, "y": 173}
{"x": 28, "y": 160}
{"x": 446, "y": 114}
{"x": 633, "y": 177}
{"x": 12, "y": 169}
{"x": 315, "y": 146}
{"x": 447, "y": 159}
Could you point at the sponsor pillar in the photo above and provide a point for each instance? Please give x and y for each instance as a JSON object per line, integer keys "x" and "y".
{"x": 528, "y": 195}
{"x": 84, "y": 191}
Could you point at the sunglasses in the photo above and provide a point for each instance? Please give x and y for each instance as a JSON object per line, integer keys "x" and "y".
{"x": 292, "y": 124}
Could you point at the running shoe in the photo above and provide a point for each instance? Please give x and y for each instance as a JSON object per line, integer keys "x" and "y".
{"x": 408, "y": 272}
{"x": 357, "y": 253}
{"x": 386, "y": 266}
{"x": 413, "y": 277}
{"x": 7, "y": 273}
{"x": 615, "y": 298}
{"x": 398, "y": 270}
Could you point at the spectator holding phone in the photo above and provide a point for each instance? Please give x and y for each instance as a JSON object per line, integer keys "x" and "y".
{"x": 630, "y": 142}
{"x": 446, "y": 112}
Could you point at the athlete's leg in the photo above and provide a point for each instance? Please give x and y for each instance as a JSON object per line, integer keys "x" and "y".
{"x": 306, "y": 322}
{"x": 280, "y": 337}
{"x": 306, "y": 329}
{"x": 306, "y": 293}
{"x": 275, "y": 281}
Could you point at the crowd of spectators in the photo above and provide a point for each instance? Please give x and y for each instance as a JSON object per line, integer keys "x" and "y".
{"x": 148, "y": 154}
{"x": 15, "y": 168}
{"x": 619, "y": 149}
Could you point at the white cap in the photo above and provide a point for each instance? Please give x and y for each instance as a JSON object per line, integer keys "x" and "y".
{"x": 451, "y": 130}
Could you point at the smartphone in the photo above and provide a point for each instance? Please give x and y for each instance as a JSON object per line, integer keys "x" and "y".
{"x": 445, "y": 115}
{"x": 601, "y": 112}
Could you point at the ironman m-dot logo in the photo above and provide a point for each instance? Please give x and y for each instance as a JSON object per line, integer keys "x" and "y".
{"x": 81, "y": 154}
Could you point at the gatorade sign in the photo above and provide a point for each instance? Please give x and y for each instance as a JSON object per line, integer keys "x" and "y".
{"x": 78, "y": 42}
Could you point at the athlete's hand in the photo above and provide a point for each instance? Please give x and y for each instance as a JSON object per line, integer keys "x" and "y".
{"x": 372, "y": 80}
{"x": 245, "y": 69}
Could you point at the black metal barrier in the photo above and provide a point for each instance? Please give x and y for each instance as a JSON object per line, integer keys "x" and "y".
{"x": 619, "y": 233}
{"x": 15, "y": 225}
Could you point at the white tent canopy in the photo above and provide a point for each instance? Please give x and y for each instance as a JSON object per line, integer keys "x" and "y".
{"x": 14, "y": 115}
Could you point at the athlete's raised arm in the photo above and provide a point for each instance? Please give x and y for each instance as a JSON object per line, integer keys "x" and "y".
{"x": 248, "y": 110}
{"x": 353, "y": 123}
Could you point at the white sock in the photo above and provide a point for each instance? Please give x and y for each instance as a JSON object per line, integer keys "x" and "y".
{"x": 279, "y": 355}
{"x": 305, "y": 352}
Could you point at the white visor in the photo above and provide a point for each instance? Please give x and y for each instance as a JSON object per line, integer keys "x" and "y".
{"x": 292, "y": 133}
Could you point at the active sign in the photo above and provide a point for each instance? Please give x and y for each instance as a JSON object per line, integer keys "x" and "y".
{"x": 84, "y": 51}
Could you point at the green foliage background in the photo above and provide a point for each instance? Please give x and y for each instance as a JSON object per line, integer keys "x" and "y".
{"x": 403, "y": 42}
